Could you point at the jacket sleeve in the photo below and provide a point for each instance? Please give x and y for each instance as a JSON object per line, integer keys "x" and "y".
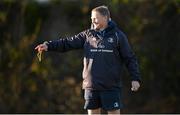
{"x": 66, "y": 44}
{"x": 129, "y": 57}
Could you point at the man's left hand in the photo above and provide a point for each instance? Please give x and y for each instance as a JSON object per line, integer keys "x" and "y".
{"x": 135, "y": 85}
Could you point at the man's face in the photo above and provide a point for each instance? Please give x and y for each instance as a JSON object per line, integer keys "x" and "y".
{"x": 99, "y": 21}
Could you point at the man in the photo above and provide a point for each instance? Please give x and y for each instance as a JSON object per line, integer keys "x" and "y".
{"x": 106, "y": 49}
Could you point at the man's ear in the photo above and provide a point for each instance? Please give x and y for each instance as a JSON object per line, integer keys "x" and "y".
{"x": 108, "y": 18}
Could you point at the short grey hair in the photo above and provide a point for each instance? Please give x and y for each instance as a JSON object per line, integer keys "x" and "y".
{"x": 103, "y": 10}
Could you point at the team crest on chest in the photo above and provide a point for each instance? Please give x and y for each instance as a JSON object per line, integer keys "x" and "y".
{"x": 110, "y": 40}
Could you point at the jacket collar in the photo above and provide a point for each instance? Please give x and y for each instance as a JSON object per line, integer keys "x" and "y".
{"x": 111, "y": 25}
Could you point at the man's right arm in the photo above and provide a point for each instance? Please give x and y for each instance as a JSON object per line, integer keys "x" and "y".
{"x": 63, "y": 45}
{"x": 66, "y": 44}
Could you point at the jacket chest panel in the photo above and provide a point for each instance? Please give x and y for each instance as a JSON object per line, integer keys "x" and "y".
{"x": 99, "y": 42}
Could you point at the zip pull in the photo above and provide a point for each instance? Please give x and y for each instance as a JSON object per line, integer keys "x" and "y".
{"x": 100, "y": 37}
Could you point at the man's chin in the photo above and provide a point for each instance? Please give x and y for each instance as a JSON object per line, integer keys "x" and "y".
{"x": 96, "y": 28}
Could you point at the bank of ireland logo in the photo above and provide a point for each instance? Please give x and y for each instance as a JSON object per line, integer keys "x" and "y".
{"x": 110, "y": 40}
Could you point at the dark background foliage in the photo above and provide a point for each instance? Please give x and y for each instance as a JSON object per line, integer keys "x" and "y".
{"x": 54, "y": 85}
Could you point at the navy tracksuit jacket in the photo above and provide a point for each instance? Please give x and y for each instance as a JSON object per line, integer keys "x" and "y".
{"x": 105, "y": 53}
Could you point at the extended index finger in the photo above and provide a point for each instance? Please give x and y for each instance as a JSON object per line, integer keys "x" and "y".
{"x": 36, "y": 47}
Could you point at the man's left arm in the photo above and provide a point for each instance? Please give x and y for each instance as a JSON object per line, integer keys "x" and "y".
{"x": 130, "y": 60}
